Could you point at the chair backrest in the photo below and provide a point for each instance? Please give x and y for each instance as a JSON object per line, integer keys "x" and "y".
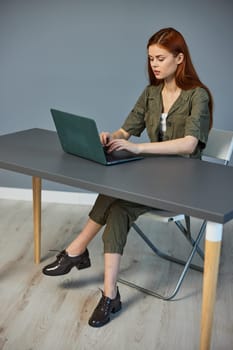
{"x": 219, "y": 145}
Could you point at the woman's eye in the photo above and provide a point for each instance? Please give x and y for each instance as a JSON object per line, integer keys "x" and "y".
{"x": 160, "y": 59}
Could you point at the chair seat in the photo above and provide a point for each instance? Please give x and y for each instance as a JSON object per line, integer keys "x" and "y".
{"x": 163, "y": 215}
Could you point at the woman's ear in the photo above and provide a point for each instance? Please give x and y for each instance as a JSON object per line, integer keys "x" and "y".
{"x": 180, "y": 58}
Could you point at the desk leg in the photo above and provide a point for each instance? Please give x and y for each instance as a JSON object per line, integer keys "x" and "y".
{"x": 211, "y": 266}
{"x": 36, "y": 189}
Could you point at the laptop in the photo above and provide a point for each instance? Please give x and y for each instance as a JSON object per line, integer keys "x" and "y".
{"x": 79, "y": 136}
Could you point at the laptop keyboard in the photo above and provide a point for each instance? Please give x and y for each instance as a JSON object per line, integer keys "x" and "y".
{"x": 117, "y": 155}
{"x": 110, "y": 157}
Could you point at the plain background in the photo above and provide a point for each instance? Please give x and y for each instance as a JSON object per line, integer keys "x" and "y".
{"x": 89, "y": 57}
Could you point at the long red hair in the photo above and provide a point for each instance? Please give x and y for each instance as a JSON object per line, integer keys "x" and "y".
{"x": 186, "y": 76}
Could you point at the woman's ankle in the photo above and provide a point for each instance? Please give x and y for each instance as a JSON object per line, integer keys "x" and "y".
{"x": 72, "y": 252}
{"x": 110, "y": 292}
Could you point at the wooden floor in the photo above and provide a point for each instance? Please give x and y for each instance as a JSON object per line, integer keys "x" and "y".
{"x": 44, "y": 313}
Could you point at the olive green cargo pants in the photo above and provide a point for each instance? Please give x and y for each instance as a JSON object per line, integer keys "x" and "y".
{"x": 118, "y": 216}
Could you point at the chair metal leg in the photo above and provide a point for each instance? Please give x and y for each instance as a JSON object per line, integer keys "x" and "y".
{"x": 162, "y": 254}
{"x": 187, "y": 233}
{"x": 187, "y": 265}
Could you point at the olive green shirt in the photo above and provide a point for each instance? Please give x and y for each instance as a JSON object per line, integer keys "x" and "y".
{"x": 189, "y": 115}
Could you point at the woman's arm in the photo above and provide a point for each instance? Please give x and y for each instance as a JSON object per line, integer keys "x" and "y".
{"x": 184, "y": 145}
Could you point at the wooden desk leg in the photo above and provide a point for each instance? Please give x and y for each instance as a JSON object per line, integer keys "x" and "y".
{"x": 36, "y": 189}
{"x": 211, "y": 267}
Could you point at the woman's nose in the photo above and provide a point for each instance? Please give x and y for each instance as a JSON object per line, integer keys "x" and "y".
{"x": 154, "y": 64}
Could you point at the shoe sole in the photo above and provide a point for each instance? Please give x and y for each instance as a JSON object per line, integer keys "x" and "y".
{"x": 83, "y": 265}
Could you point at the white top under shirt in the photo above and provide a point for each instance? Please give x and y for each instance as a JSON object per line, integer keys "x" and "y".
{"x": 163, "y": 125}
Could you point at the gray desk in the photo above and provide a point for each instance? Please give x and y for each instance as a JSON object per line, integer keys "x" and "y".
{"x": 192, "y": 187}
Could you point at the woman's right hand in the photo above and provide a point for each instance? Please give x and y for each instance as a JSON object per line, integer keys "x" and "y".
{"x": 105, "y": 137}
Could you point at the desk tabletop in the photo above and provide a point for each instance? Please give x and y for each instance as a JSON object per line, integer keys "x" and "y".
{"x": 193, "y": 187}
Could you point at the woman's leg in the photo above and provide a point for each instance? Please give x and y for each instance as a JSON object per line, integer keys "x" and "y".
{"x": 98, "y": 217}
{"x": 79, "y": 245}
{"x": 120, "y": 218}
{"x": 76, "y": 253}
{"x": 111, "y": 269}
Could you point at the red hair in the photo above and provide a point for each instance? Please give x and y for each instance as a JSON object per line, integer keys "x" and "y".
{"x": 186, "y": 76}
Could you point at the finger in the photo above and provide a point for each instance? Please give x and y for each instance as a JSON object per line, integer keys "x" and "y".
{"x": 104, "y": 137}
{"x": 116, "y": 146}
{"x": 112, "y": 146}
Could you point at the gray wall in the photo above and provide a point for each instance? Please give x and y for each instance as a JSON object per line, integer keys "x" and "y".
{"x": 89, "y": 57}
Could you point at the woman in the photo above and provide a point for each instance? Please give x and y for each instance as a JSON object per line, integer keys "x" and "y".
{"x": 176, "y": 110}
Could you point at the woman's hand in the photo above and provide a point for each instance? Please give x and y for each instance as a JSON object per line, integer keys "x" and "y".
{"x": 105, "y": 137}
{"x": 121, "y": 144}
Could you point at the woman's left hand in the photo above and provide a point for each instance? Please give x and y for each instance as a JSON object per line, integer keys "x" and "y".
{"x": 121, "y": 144}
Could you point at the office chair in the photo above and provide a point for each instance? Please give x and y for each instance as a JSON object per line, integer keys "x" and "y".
{"x": 219, "y": 149}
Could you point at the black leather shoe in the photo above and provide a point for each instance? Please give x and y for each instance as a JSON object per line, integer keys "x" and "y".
{"x": 64, "y": 263}
{"x": 101, "y": 314}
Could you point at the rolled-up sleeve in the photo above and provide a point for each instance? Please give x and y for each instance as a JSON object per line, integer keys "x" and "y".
{"x": 197, "y": 123}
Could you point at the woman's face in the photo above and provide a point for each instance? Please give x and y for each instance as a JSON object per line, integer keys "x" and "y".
{"x": 163, "y": 63}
